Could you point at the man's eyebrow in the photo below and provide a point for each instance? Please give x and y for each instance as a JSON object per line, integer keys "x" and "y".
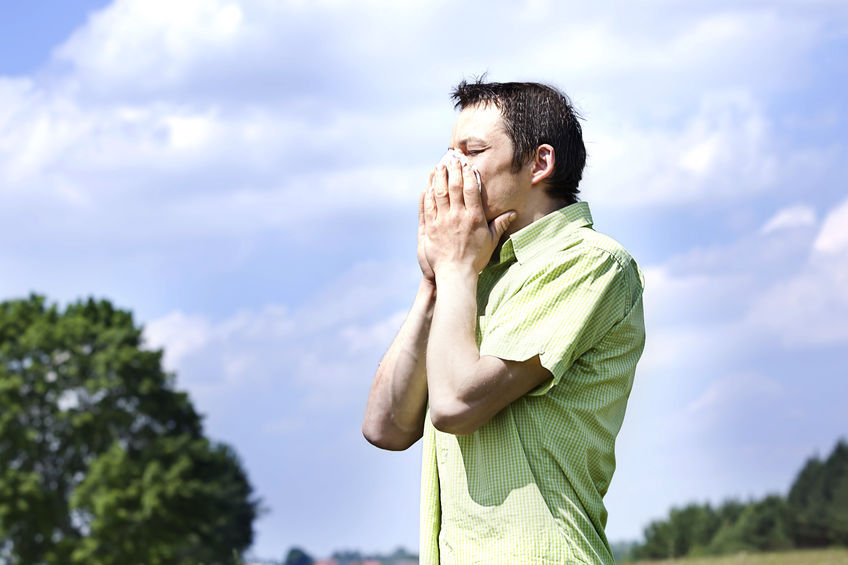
{"x": 472, "y": 139}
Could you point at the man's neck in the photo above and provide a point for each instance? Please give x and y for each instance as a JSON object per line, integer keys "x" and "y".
{"x": 533, "y": 212}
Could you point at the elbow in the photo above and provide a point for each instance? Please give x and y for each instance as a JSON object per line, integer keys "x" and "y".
{"x": 390, "y": 440}
{"x": 454, "y": 417}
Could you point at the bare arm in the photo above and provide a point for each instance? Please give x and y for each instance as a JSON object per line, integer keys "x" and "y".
{"x": 394, "y": 416}
{"x": 466, "y": 390}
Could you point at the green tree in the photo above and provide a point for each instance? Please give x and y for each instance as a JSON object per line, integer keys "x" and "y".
{"x": 99, "y": 455}
{"x": 762, "y": 526}
{"x": 297, "y": 556}
{"x": 836, "y": 485}
{"x": 693, "y": 528}
{"x": 659, "y": 541}
{"x": 687, "y": 530}
{"x": 729, "y": 511}
{"x": 806, "y": 500}
{"x": 818, "y": 501}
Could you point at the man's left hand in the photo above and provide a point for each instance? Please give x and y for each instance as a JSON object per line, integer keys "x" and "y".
{"x": 457, "y": 233}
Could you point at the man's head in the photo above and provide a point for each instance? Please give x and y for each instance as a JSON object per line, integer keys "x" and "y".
{"x": 534, "y": 114}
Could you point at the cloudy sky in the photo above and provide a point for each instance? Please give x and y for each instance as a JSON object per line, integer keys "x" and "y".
{"x": 243, "y": 176}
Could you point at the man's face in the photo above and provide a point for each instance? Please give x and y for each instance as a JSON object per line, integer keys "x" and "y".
{"x": 480, "y": 134}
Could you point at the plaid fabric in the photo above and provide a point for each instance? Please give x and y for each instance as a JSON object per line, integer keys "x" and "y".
{"x": 528, "y": 486}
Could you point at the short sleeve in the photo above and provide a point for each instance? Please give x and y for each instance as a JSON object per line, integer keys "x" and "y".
{"x": 563, "y": 309}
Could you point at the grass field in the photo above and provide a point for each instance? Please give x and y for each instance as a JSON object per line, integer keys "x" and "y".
{"x": 807, "y": 557}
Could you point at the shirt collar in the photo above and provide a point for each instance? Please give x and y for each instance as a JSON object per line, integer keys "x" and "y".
{"x": 534, "y": 238}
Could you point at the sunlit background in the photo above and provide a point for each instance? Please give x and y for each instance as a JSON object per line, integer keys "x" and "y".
{"x": 243, "y": 176}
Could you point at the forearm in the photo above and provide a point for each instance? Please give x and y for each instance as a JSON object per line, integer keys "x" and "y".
{"x": 453, "y": 358}
{"x": 394, "y": 416}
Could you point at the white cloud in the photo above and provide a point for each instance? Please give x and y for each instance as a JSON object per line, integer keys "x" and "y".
{"x": 685, "y": 39}
{"x": 833, "y": 237}
{"x": 723, "y": 151}
{"x": 273, "y": 322}
{"x": 787, "y": 281}
{"x": 155, "y": 39}
{"x": 800, "y": 215}
{"x": 179, "y": 335}
{"x": 288, "y": 386}
{"x": 211, "y": 120}
{"x": 320, "y": 348}
{"x": 377, "y": 335}
{"x": 711, "y": 307}
{"x": 810, "y": 308}
{"x": 162, "y": 131}
{"x": 694, "y": 296}
{"x": 732, "y": 392}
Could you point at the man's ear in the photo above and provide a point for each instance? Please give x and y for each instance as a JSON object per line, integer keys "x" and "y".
{"x": 542, "y": 165}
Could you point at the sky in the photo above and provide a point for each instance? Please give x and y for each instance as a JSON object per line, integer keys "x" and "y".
{"x": 243, "y": 176}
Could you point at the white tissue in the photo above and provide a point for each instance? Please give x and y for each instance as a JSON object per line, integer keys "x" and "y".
{"x": 460, "y": 156}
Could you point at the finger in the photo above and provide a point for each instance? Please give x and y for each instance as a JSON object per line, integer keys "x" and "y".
{"x": 471, "y": 190}
{"x": 455, "y": 183}
{"x": 440, "y": 188}
{"x": 499, "y": 224}
{"x": 421, "y": 208}
{"x": 430, "y": 180}
{"x": 429, "y": 206}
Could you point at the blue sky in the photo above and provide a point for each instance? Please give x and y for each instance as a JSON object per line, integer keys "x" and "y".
{"x": 244, "y": 177}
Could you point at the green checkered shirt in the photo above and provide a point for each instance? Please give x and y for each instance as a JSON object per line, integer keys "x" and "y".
{"x": 528, "y": 486}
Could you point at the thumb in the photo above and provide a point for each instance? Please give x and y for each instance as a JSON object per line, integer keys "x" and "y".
{"x": 502, "y": 222}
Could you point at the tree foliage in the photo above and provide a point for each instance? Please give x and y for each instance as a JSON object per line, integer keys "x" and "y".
{"x": 101, "y": 460}
{"x": 761, "y": 526}
{"x": 818, "y": 501}
{"x": 297, "y": 556}
{"x": 815, "y": 514}
{"x": 688, "y": 531}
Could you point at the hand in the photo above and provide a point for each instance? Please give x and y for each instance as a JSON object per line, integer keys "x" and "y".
{"x": 426, "y": 269}
{"x": 455, "y": 228}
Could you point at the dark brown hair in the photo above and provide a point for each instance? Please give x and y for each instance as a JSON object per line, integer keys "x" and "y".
{"x": 534, "y": 114}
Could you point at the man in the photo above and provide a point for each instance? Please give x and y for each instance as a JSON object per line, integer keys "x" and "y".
{"x": 517, "y": 357}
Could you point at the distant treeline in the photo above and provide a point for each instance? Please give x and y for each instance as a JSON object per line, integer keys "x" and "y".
{"x": 814, "y": 514}
{"x": 297, "y": 556}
